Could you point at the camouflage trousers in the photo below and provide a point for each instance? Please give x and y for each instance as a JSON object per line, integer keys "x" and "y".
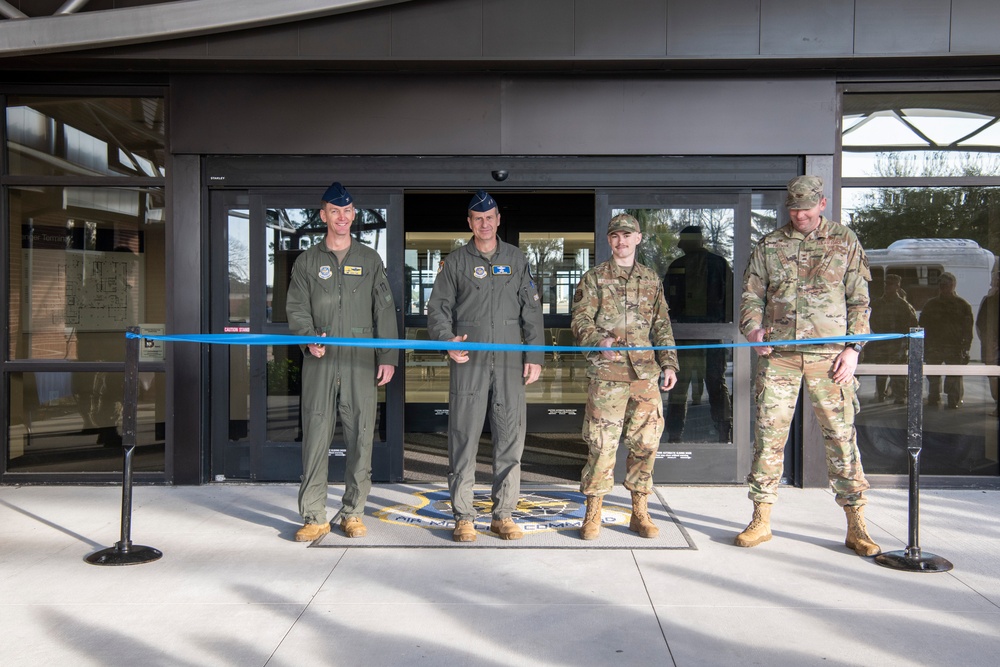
{"x": 779, "y": 378}
{"x": 633, "y": 409}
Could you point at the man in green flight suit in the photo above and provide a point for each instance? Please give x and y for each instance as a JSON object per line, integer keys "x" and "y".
{"x": 339, "y": 289}
{"x": 484, "y": 293}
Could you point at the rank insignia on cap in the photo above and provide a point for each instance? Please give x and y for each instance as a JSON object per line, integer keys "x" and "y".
{"x": 352, "y": 270}
{"x": 479, "y": 272}
{"x": 325, "y": 272}
{"x": 501, "y": 270}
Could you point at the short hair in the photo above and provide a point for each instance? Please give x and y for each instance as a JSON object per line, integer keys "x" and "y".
{"x": 950, "y": 277}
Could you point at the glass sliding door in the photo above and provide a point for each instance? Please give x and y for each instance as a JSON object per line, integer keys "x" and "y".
{"x": 255, "y": 243}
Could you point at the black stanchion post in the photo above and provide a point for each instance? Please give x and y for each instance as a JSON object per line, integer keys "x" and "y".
{"x": 124, "y": 552}
{"x": 912, "y": 558}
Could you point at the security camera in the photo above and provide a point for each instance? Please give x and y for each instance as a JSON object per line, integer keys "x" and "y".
{"x": 500, "y": 175}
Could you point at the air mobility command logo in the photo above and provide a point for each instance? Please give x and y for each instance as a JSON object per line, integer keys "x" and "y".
{"x": 352, "y": 270}
{"x": 479, "y": 272}
{"x": 538, "y": 511}
{"x": 325, "y": 272}
{"x": 501, "y": 270}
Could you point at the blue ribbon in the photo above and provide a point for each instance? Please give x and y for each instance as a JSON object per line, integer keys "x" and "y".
{"x": 407, "y": 344}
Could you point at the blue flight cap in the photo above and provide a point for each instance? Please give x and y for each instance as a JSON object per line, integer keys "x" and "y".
{"x": 337, "y": 195}
{"x": 482, "y": 202}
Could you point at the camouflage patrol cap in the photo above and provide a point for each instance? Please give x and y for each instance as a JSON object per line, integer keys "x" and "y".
{"x": 804, "y": 192}
{"x": 623, "y": 222}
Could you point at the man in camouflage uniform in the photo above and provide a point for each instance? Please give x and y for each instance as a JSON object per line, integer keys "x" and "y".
{"x": 892, "y": 313}
{"x": 339, "y": 288}
{"x": 620, "y": 303}
{"x": 808, "y": 279}
{"x": 947, "y": 322}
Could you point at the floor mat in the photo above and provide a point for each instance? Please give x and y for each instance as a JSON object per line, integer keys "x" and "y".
{"x": 420, "y": 516}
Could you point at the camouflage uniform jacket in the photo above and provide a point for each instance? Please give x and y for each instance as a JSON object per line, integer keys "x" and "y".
{"x": 609, "y": 302}
{"x": 807, "y": 286}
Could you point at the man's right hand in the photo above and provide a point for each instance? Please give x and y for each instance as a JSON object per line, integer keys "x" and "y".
{"x": 317, "y": 350}
{"x": 459, "y": 356}
{"x": 759, "y": 336}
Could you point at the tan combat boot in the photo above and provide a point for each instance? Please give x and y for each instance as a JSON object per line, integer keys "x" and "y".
{"x": 857, "y": 533}
{"x": 759, "y": 529}
{"x": 353, "y": 527}
{"x": 312, "y": 531}
{"x": 591, "y": 527}
{"x": 640, "y": 521}
{"x": 506, "y": 529}
{"x": 464, "y": 531}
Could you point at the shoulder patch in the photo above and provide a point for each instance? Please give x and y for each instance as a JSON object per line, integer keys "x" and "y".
{"x": 578, "y": 295}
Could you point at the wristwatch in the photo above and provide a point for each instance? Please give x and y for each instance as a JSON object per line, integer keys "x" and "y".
{"x": 857, "y": 346}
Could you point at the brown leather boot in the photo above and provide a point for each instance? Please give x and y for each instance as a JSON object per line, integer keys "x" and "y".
{"x": 759, "y": 528}
{"x": 353, "y": 527}
{"x": 312, "y": 531}
{"x": 506, "y": 529}
{"x": 640, "y": 521}
{"x": 857, "y": 533}
{"x": 591, "y": 527}
{"x": 464, "y": 531}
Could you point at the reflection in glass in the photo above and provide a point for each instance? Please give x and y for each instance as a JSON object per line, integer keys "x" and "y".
{"x": 290, "y": 231}
{"x": 239, "y": 266}
{"x": 558, "y": 260}
{"x": 86, "y": 136}
{"x": 84, "y": 263}
{"x": 959, "y": 441}
{"x": 921, "y": 134}
{"x": 692, "y": 248}
{"x": 424, "y": 255}
{"x": 71, "y": 422}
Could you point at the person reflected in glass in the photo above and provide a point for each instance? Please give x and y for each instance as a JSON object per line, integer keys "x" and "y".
{"x": 891, "y": 313}
{"x": 699, "y": 289}
{"x": 947, "y": 322}
{"x": 988, "y": 326}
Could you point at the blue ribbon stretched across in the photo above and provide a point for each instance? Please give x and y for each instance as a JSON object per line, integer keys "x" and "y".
{"x": 407, "y": 344}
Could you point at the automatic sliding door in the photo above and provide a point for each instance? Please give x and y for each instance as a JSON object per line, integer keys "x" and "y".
{"x": 259, "y": 436}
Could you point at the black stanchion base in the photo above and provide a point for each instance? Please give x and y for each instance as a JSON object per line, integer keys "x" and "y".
{"x": 136, "y": 554}
{"x": 922, "y": 562}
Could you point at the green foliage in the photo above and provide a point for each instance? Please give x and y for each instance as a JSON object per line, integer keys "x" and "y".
{"x": 284, "y": 377}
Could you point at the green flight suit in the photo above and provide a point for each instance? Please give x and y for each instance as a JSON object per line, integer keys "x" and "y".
{"x": 349, "y": 300}
{"x": 492, "y": 301}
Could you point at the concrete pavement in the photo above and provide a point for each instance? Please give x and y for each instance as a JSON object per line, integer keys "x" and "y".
{"x": 233, "y": 588}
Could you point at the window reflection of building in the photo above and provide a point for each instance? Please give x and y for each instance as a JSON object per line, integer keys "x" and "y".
{"x": 83, "y": 263}
{"x": 921, "y": 187}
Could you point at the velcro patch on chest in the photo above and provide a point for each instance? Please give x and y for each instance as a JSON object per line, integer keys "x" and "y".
{"x": 479, "y": 272}
{"x": 352, "y": 270}
{"x": 325, "y": 272}
{"x": 501, "y": 270}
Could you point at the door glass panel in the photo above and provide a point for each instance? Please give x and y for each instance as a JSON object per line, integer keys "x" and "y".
{"x": 427, "y": 371}
{"x": 288, "y": 233}
{"x": 691, "y": 247}
{"x": 558, "y": 261}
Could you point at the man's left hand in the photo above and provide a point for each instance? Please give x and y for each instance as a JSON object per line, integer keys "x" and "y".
{"x": 844, "y": 365}
{"x": 385, "y": 373}
{"x": 532, "y": 372}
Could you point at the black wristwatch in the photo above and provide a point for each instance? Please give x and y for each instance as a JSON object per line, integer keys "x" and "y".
{"x": 857, "y": 346}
